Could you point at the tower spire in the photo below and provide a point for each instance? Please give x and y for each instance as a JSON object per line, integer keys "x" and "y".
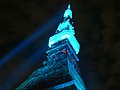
{"x": 68, "y": 13}
{"x": 69, "y": 6}
{"x": 66, "y": 24}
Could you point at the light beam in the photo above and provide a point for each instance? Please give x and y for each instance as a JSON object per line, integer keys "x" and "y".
{"x": 16, "y": 75}
{"x": 39, "y": 32}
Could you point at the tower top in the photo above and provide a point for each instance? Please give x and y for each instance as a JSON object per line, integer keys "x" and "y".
{"x": 68, "y": 13}
{"x": 65, "y": 30}
{"x": 69, "y": 6}
{"x": 66, "y": 24}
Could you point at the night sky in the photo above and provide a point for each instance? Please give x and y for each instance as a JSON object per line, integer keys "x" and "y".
{"x": 96, "y": 25}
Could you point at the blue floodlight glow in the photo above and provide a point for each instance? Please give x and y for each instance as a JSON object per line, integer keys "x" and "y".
{"x": 66, "y": 34}
{"x": 16, "y": 75}
{"x": 68, "y": 12}
{"x": 38, "y": 33}
{"x": 65, "y": 25}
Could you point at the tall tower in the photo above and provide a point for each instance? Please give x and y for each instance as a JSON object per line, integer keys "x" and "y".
{"x": 60, "y": 70}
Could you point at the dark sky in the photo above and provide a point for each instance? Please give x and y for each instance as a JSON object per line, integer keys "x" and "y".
{"x": 96, "y": 25}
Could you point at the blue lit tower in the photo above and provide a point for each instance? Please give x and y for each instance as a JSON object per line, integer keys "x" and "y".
{"x": 60, "y": 69}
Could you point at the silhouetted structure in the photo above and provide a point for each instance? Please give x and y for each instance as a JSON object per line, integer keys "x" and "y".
{"x": 60, "y": 70}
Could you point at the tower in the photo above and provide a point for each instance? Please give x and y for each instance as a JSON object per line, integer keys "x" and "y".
{"x": 60, "y": 70}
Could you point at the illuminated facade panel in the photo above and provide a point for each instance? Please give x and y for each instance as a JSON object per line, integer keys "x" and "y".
{"x": 66, "y": 34}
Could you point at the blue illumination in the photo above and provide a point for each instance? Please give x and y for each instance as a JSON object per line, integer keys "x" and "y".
{"x": 68, "y": 12}
{"x": 65, "y": 31}
{"x": 39, "y": 32}
{"x": 16, "y": 75}
{"x": 66, "y": 34}
{"x": 66, "y": 25}
{"x": 77, "y": 79}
